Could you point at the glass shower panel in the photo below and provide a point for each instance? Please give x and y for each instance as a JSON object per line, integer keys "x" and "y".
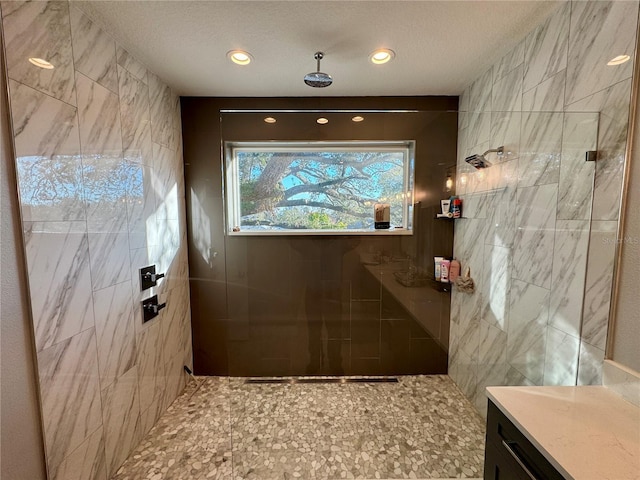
{"x": 567, "y": 316}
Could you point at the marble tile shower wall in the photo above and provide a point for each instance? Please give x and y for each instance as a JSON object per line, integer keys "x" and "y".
{"x": 540, "y": 231}
{"x": 98, "y": 147}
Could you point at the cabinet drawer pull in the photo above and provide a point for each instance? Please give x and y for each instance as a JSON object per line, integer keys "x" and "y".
{"x": 518, "y": 459}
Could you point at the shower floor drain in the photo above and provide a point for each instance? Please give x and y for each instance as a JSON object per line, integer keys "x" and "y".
{"x": 267, "y": 380}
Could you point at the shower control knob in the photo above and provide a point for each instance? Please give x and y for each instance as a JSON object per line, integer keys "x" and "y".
{"x": 151, "y": 308}
{"x": 153, "y": 277}
{"x": 155, "y": 308}
{"x": 149, "y": 278}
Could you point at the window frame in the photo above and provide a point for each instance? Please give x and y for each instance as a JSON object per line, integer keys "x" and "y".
{"x": 231, "y": 178}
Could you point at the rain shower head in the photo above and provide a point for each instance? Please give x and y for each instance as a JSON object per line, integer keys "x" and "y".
{"x": 479, "y": 161}
{"x": 318, "y": 79}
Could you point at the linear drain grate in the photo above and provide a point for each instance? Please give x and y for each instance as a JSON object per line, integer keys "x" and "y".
{"x": 321, "y": 380}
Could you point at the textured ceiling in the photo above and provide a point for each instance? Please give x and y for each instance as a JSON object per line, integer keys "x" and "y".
{"x": 441, "y": 46}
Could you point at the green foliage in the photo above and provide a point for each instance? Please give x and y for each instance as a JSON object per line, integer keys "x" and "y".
{"x": 247, "y": 197}
{"x": 322, "y": 221}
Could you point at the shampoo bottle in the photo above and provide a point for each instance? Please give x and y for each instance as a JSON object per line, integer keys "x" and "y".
{"x": 456, "y": 207}
{"x": 444, "y": 271}
{"x": 438, "y": 272}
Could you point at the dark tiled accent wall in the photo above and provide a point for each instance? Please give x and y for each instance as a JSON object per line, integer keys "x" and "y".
{"x": 292, "y": 305}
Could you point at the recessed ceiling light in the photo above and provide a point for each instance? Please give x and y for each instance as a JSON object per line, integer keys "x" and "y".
{"x": 382, "y": 55}
{"x": 357, "y": 118}
{"x": 619, "y": 60}
{"x": 39, "y": 62}
{"x": 270, "y": 120}
{"x": 239, "y": 57}
{"x": 322, "y": 120}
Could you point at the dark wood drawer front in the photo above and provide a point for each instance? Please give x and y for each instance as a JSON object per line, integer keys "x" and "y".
{"x": 509, "y": 455}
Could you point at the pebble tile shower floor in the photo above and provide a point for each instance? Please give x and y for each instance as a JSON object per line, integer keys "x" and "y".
{"x": 421, "y": 427}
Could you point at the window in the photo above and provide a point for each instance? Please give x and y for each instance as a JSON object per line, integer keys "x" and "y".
{"x": 317, "y": 187}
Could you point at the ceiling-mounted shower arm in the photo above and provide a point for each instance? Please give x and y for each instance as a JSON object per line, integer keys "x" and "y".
{"x": 318, "y": 56}
{"x": 318, "y": 79}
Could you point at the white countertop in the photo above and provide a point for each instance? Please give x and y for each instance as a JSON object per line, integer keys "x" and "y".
{"x": 585, "y": 432}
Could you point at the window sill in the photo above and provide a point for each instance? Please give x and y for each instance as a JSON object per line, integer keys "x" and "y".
{"x": 367, "y": 232}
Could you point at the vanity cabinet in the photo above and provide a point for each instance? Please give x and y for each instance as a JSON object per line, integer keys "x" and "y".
{"x": 509, "y": 455}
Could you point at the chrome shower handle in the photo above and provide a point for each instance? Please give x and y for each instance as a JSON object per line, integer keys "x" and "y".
{"x": 153, "y": 277}
{"x": 155, "y": 308}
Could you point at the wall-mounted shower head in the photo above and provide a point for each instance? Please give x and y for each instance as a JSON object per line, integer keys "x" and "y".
{"x": 318, "y": 79}
{"x": 479, "y": 161}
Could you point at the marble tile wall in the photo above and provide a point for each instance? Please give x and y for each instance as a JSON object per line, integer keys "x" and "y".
{"x": 540, "y": 226}
{"x": 99, "y": 162}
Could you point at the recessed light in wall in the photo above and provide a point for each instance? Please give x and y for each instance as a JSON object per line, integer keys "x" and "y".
{"x": 357, "y": 118}
{"x": 322, "y": 120}
{"x": 619, "y": 60}
{"x": 239, "y": 57}
{"x": 270, "y": 120}
{"x": 448, "y": 184}
{"x": 39, "y": 62}
{"x": 382, "y": 55}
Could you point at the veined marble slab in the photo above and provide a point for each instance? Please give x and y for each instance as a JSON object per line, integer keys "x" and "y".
{"x": 613, "y": 106}
{"x": 546, "y": 48}
{"x": 505, "y": 132}
{"x": 41, "y": 27}
{"x": 48, "y": 159}
{"x": 575, "y": 188}
{"x": 478, "y": 132}
{"x": 501, "y": 225}
{"x": 70, "y": 392}
{"x": 480, "y": 92}
{"x": 115, "y": 332}
{"x": 492, "y": 361}
{"x": 59, "y": 280}
{"x": 121, "y": 417}
{"x": 495, "y": 286}
{"x": 590, "y": 364}
{"x": 547, "y": 96}
{"x": 99, "y": 113}
{"x": 507, "y": 92}
{"x": 527, "y": 332}
{"x": 595, "y": 316}
{"x": 150, "y": 362}
{"x": 141, "y": 205}
{"x": 86, "y": 462}
{"x": 509, "y": 62}
{"x": 106, "y": 178}
{"x": 541, "y": 147}
{"x": 162, "y": 113}
{"x": 110, "y": 262}
{"x": 535, "y": 223}
{"x": 94, "y": 51}
{"x": 561, "y": 358}
{"x": 599, "y": 32}
{"x": 136, "y": 118}
{"x": 569, "y": 274}
{"x": 131, "y": 64}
